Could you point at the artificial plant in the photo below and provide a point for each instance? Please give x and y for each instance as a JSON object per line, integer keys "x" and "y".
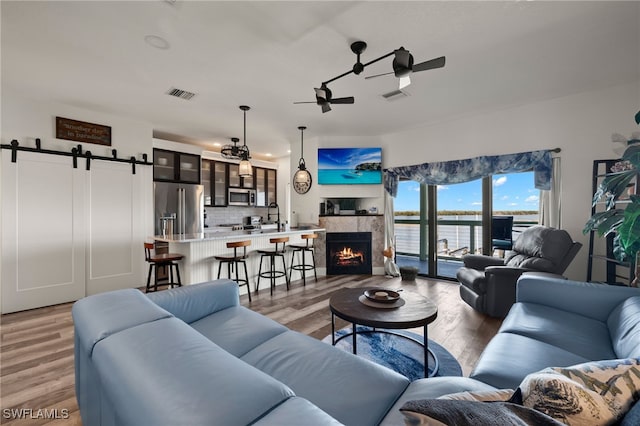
{"x": 618, "y": 218}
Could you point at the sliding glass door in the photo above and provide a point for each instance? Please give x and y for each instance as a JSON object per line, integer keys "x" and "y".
{"x": 436, "y": 225}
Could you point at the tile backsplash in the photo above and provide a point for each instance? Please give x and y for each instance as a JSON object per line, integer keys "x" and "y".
{"x": 234, "y": 214}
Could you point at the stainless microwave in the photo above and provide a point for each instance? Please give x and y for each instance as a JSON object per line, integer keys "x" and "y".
{"x": 242, "y": 197}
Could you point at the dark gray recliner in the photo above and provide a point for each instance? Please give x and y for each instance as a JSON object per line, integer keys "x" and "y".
{"x": 488, "y": 284}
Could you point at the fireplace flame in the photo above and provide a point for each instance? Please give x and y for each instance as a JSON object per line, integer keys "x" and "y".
{"x": 348, "y": 256}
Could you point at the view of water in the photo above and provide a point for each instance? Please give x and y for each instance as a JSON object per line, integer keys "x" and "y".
{"x": 453, "y": 240}
{"x": 348, "y": 176}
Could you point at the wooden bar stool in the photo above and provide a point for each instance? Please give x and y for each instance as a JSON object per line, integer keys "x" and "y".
{"x": 233, "y": 262}
{"x": 164, "y": 260}
{"x": 302, "y": 249}
{"x": 271, "y": 254}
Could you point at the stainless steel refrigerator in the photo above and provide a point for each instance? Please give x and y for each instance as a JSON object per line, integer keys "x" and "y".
{"x": 179, "y": 208}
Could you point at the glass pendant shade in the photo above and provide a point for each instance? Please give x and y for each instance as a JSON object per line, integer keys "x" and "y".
{"x": 245, "y": 169}
{"x": 302, "y": 177}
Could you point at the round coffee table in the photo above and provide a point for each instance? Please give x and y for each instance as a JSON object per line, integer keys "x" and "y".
{"x": 417, "y": 311}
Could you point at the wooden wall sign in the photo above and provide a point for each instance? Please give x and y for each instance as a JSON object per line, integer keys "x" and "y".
{"x": 81, "y": 131}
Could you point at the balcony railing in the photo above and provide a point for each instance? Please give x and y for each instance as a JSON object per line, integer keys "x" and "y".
{"x": 456, "y": 237}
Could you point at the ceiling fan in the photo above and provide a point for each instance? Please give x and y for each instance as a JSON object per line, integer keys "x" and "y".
{"x": 403, "y": 66}
{"x": 325, "y": 100}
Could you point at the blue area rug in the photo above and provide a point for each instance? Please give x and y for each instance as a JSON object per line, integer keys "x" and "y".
{"x": 397, "y": 353}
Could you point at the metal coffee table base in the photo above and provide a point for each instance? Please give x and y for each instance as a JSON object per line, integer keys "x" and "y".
{"x": 354, "y": 333}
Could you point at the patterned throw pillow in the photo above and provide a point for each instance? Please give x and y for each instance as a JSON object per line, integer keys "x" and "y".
{"x": 593, "y": 393}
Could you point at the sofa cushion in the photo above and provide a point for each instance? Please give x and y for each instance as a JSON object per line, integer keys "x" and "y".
{"x": 238, "y": 329}
{"x": 297, "y": 411}
{"x": 432, "y": 387}
{"x": 624, "y": 326}
{"x": 586, "y": 337}
{"x": 164, "y": 373}
{"x": 508, "y": 358}
{"x": 353, "y": 390}
{"x": 108, "y": 313}
{"x": 594, "y": 393}
{"x": 192, "y": 302}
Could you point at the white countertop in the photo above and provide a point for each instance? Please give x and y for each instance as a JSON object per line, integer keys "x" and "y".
{"x": 225, "y": 235}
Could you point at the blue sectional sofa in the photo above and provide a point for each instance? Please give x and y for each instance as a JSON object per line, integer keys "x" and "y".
{"x": 195, "y": 356}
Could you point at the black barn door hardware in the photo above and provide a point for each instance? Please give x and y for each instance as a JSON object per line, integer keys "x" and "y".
{"x": 76, "y": 152}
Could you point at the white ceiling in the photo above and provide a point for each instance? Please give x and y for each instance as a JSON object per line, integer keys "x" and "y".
{"x": 267, "y": 55}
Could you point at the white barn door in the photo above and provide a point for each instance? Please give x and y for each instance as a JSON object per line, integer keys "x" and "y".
{"x": 43, "y": 231}
{"x": 116, "y": 212}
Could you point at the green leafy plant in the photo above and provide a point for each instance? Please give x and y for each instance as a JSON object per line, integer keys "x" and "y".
{"x": 624, "y": 222}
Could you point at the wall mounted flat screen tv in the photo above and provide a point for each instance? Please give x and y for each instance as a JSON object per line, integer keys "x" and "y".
{"x": 349, "y": 166}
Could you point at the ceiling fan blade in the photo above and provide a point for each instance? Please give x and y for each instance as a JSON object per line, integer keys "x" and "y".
{"x": 429, "y": 65}
{"x": 378, "y": 75}
{"x": 404, "y": 82}
{"x": 326, "y": 107}
{"x": 347, "y": 100}
{"x": 306, "y": 102}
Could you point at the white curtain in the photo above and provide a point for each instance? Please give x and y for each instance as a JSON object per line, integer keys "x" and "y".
{"x": 550, "y": 201}
{"x": 390, "y": 267}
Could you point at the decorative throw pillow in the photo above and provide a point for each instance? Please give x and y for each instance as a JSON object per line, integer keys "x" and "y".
{"x": 496, "y": 395}
{"x": 593, "y": 393}
{"x": 438, "y": 412}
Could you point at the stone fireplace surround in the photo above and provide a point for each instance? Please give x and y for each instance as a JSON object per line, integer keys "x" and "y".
{"x": 352, "y": 223}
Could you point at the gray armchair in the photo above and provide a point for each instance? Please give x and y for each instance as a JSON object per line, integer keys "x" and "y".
{"x": 488, "y": 284}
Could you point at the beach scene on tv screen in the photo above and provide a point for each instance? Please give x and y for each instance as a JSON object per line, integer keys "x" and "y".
{"x": 349, "y": 166}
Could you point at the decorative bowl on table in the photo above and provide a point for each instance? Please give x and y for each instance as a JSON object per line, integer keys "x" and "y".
{"x": 382, "y": 295}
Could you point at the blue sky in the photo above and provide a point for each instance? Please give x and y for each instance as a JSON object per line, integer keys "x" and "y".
{"x": 510, "y": 192}
{"x": 347, "y": 158}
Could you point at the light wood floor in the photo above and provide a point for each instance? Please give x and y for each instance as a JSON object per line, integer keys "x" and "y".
{"x": 36, "y": 346}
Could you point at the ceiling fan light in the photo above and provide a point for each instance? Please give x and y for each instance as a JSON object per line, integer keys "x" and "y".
{"x": 404, "y": 82}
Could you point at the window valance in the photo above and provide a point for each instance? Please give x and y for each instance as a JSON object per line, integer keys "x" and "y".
{"x": 459, "y": 171}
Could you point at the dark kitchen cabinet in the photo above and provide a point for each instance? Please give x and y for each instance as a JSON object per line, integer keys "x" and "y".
{"x": 236, "y": 181}
{"x": 266, "y": 181}
{"x": 214, "y": 179}
{"x": 173, "y": 166}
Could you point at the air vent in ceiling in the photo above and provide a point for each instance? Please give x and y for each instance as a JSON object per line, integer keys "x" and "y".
{"x": 178, "y": 93}
{"x": 394, "y": 94}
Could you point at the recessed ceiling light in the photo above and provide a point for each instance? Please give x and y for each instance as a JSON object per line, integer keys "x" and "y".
{"x": 156, "y": 41}
{"x": 288, "y": 151}
{"x": 268, "y": 154}
{"x": 217, "y": 144}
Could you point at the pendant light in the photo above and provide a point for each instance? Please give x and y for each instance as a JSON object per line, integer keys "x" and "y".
{"x": 245, "y": 169}
{"x": 302, "y": 177}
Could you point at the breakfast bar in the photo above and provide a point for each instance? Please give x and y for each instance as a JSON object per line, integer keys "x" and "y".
{"x": 198, "y": 264}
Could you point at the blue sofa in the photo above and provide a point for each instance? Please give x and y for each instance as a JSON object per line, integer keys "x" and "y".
{"x": 195, "y": 356}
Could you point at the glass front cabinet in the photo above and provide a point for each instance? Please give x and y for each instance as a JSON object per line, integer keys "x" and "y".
{"x": 214, "y": 179}
{"x": 265, "y": 186}
{"x": 235, "y": 181}
{"x": 172, "y": 166}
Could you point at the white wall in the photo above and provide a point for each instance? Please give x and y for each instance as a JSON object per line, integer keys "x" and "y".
{"x": 580, "y": 124}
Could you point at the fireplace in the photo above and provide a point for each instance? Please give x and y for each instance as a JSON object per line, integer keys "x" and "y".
{"x": 348, "y": 253}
